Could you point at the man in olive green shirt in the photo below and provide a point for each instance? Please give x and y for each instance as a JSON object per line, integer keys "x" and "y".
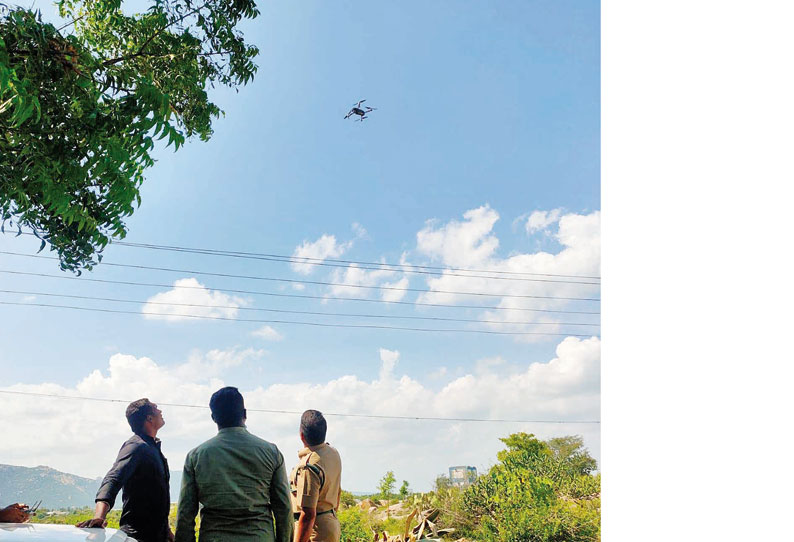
{"x": 239, "y": 480}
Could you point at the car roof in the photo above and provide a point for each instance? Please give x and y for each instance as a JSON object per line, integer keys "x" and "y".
{"x": 25, "y": 532}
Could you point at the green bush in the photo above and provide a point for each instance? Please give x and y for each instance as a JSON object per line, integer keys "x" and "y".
{"x": 347, "y": 499}
{"x": 536, "y": 493}
{"x": 355, "y": 525}
{"x": 390, "y": 525}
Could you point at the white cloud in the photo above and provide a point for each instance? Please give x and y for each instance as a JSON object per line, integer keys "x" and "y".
{"x": 565, "y": 388}
{"x": 486, "y": 365}
{"x": 215, "y": 362}
{"x": 471, "y": 243}
{"x": 359, "y": 230}
{"x": 190, "y": 297}
{"x": 352, "y": 277}
{"x": 540, "y": 220}
{"x": 438, "y": 373}
{"x": 461, "y": 244}
{"x": 392, "y": 279}
{"x": 388, "y": 360}
{"x": 267, "y": 333}
{"x": 398, "y": 293}
{"x": 324, "y": 247}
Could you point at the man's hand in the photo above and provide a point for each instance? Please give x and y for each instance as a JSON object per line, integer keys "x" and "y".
{"x": 100, "y": 512}
{"x": 15, "y": 513}
{"x": 91, "y": 523}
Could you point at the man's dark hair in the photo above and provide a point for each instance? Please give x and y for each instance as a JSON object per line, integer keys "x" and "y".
{"x": 313, "y": 427}
{"x": 137, "y": 412}
{"x": 228, "y": 408}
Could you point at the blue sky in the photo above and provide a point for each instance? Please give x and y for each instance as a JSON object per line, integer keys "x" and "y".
{"x": 480, "y": 106}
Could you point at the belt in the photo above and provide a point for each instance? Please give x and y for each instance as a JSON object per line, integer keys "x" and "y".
{"x": 297, "y": 515}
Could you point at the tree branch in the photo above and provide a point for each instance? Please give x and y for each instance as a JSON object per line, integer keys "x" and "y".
{"x": 140, "y": 51}
{"x": 70, "y": 23}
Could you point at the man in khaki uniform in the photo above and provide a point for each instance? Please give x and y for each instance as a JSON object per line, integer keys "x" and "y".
{"x": 316, "y": 483}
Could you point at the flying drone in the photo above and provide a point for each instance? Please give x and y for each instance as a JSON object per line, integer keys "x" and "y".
{"x": 357, "y": 110}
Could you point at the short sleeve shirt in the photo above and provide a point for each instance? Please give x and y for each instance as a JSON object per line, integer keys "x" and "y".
{"x": 318, "y": 485}
{"x": 308, "y": 488}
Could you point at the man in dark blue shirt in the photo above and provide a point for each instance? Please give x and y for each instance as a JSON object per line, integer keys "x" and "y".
{"x": 141, "y": 471}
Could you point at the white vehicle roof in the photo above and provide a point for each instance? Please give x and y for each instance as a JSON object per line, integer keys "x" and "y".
{"x": 25, "y": 532}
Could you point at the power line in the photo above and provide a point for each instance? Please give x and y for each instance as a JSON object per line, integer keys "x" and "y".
{"x": 287, "y": 311}
{"x": 275, "y": 411}
{"x": 331, "y": 261}
{"x": 315, "y": 282}
{"x": 299, "y": 296}
{"x": 294, "y": 322}
{"x": 402, "y": 268}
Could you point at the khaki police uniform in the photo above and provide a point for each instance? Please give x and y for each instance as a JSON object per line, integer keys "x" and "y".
{"x": 316, "y": 482}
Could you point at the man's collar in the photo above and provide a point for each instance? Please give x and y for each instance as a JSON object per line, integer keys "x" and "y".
{"x": 238, "y": 429}
{"x": 147, "y": 438}
{"x": 309, "y": 449}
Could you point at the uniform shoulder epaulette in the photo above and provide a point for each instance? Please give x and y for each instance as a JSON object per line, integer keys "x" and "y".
{"x": 316, "y": 469}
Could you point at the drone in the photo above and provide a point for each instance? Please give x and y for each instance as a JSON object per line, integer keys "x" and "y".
{"x": 357, "y": 110}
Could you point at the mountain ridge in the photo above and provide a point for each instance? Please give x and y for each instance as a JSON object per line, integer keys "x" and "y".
{"x": 55, "y": 488}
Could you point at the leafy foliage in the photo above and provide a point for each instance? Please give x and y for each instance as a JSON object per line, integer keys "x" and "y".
{"x": 355, "y": 524}
{"x": 537, "y": 493}
{"x": 404, "y": 490}
{"x": 80, "y": 111}
{"x": 386, "y": 485}
{"x": 571, "y": 450}
{"x": 347, "y": 499}
{"x": 442, "y": 481}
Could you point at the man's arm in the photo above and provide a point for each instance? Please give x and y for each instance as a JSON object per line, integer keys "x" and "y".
{"x": 281, "y": 503}
{"x": 188, "y": 504}
{"x": 308, "y": 492}
{"x": 305, "y": 524}
{"x": 114, "y": 480}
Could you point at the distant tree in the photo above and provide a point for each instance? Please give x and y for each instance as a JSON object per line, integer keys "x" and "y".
{"x": 404, "y": 490}
{"x": 386, "y": 488}
{"x": 442, "y": 482}
{"x": 386, "y": 485}
{"x": 347, "y": 498}
{"x": 571, "y": 450}
{"x": 81, "y": 107}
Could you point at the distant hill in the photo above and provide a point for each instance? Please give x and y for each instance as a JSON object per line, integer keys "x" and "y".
{"x": 56, "y": 489}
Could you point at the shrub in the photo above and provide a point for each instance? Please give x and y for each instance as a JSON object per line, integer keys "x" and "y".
{"x": 536, "y": 494}
{"x": 355, "y": 525}
{"x": 347, "y": 499}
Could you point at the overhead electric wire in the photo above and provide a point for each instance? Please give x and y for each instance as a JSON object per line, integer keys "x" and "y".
{"x": 294, "y": 260}
{"x": 287, "y": 311}
{"x": 293, "y": 322}
{"x": 299, "y": 296}
{"x": 325, "y": 413}
{"x": 315, "y": 282}
{"x": 328, "y": 261}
